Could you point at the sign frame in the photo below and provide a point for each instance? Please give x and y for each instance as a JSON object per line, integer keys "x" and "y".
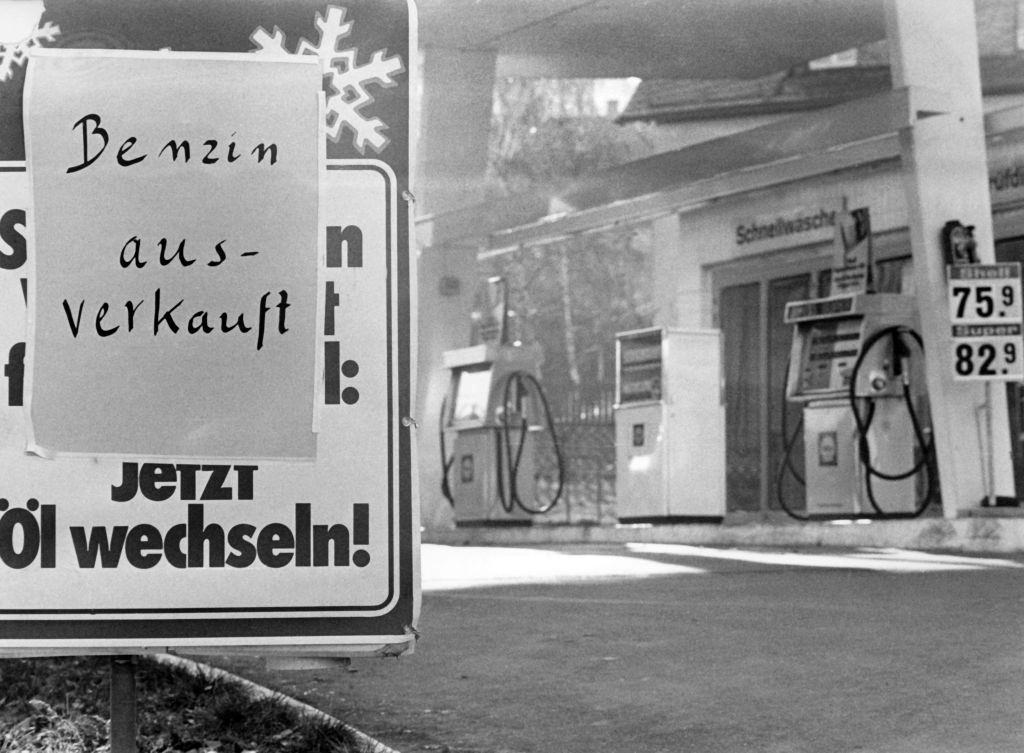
{"x": 987, "y": 320}
{"x": 387, "y": 630}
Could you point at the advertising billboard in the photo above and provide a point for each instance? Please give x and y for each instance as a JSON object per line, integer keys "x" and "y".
{"x": 205, "y": 324}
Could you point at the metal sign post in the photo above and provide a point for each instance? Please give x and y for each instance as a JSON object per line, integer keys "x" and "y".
{"x": 123, "y": 714}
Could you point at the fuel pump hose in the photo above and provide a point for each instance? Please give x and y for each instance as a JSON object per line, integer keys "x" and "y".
{"x": 518, "y": 384}
{"x": 863, "y": 423}
{"x": 446, "y": 462}
{"x": 787, "y": 459}
{"x": 505, "y": 456}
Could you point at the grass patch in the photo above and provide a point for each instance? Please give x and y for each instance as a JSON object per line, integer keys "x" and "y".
{"x": 62, "y": 705}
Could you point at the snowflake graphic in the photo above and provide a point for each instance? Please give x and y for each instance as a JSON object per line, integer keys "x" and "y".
{"x": 345, "y": 80}
{"x": 16, "y": 53}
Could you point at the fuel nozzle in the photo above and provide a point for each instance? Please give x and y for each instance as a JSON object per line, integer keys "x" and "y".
{"x": 900, "y": 357}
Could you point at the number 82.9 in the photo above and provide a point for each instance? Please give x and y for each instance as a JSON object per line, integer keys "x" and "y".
{"x": 982, "y": 359}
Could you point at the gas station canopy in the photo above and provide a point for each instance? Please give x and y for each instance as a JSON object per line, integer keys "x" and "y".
{"x": 650, "y": 38}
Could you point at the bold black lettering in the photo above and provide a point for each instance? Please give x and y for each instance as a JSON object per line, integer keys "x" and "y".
{"x": 208, "y": 158}
{"x": 136, "y": 243}
{"x": 98, "y": 130}
{"x": 14, "y": 370}
{"x": 166, "y": 317}
{"x": 199, "y": 535}
{"x": 172, "y": 546}
{"x": 132, "y": 307}
{"x": 199, "y": 322}
{"x": 350, "y": 238}
{"x": 332, "y": 372}
{"x": 29, "y": 527}
{"x": 100, "y": 314}
{"x": 144, "y": 546}
{"x": 179, "y": 254}
{"x": 128, "y": 144}
{"x": 221, "y": 256}
{"x": 48, "y": 542}
{"x": 108, "y": 549}
{"x": 175, "y": 147}
{"x": 323, "y": 538}
{"x": 14, "y": 238}
{"x": 360, "y": 524}
{"x": 215, "y": 489}
{"x": 73, "y": 322}
{"x": 282, "y": 306}
{"x": 239, "y": 323}
{"x": 332, "y": 300}
{"x": 245, "y": 485}
{"x": 263, "y": 150}
{"x": 129, "y": 483}
{"x": 274, "y": 537}
{"x": 157, "y": 481}
{"x": 263, "y": 321}
{"x": 187, "y": 475}
{"x": 244, "y": 553}
{"x": 303, "y": 533}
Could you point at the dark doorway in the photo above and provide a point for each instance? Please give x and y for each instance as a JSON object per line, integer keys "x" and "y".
{"x": 1012, "y": 249}
{"x": 756, "y": 345}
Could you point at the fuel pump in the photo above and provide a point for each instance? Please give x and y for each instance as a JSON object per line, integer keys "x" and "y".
{"x": 854, "y": 363}
{"x": 495, "y": 415}
{"x": 669, "y": 418}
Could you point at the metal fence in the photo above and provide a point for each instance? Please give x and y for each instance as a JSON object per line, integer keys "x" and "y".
{"x": 585, "y": 432}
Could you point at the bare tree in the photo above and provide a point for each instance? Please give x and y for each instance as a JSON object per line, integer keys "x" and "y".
{"x": 570, "y": 295}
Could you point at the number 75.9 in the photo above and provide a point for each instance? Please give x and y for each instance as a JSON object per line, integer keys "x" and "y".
{"x": 984, "y": 299}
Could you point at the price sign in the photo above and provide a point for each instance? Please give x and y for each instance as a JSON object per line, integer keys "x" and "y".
{"x": 982, "y": 352}
{"x": 986, "y": 316}
{"x": 984, "y": 293}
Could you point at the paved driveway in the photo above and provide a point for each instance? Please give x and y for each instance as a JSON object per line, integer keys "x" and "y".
{"x": 650, "y": 648}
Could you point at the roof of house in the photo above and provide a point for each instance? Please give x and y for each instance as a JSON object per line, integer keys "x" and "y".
{"x": 672, "y": 101}
{"x": 802, "y": 88}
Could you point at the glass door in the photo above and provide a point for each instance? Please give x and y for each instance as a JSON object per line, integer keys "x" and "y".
{"x": 784, "y": 416}
{"x": 755, "y": 346}
{"x": 739, "y": 315}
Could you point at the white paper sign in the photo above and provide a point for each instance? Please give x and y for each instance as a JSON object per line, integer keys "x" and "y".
{"x": 174, "y": 242}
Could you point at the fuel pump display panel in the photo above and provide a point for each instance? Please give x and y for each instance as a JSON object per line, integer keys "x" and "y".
{"x": 472, "y": 394}
{"x": 640, "y": 367}
{"x": 669, "y": 420}
{"x": 829, "y": 351}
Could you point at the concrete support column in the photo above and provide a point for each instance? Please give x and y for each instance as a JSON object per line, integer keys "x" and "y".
{"x": 455, "y": 115}
{"x": 666, "y": 271}
{"x": 678, "y": 290}
{"x": 447, "y": 280}
{"x": 933, "y": 44}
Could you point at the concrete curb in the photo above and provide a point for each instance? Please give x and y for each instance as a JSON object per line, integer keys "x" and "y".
{"x": 984, "y": 533}
{"x": 366, "y": 743}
